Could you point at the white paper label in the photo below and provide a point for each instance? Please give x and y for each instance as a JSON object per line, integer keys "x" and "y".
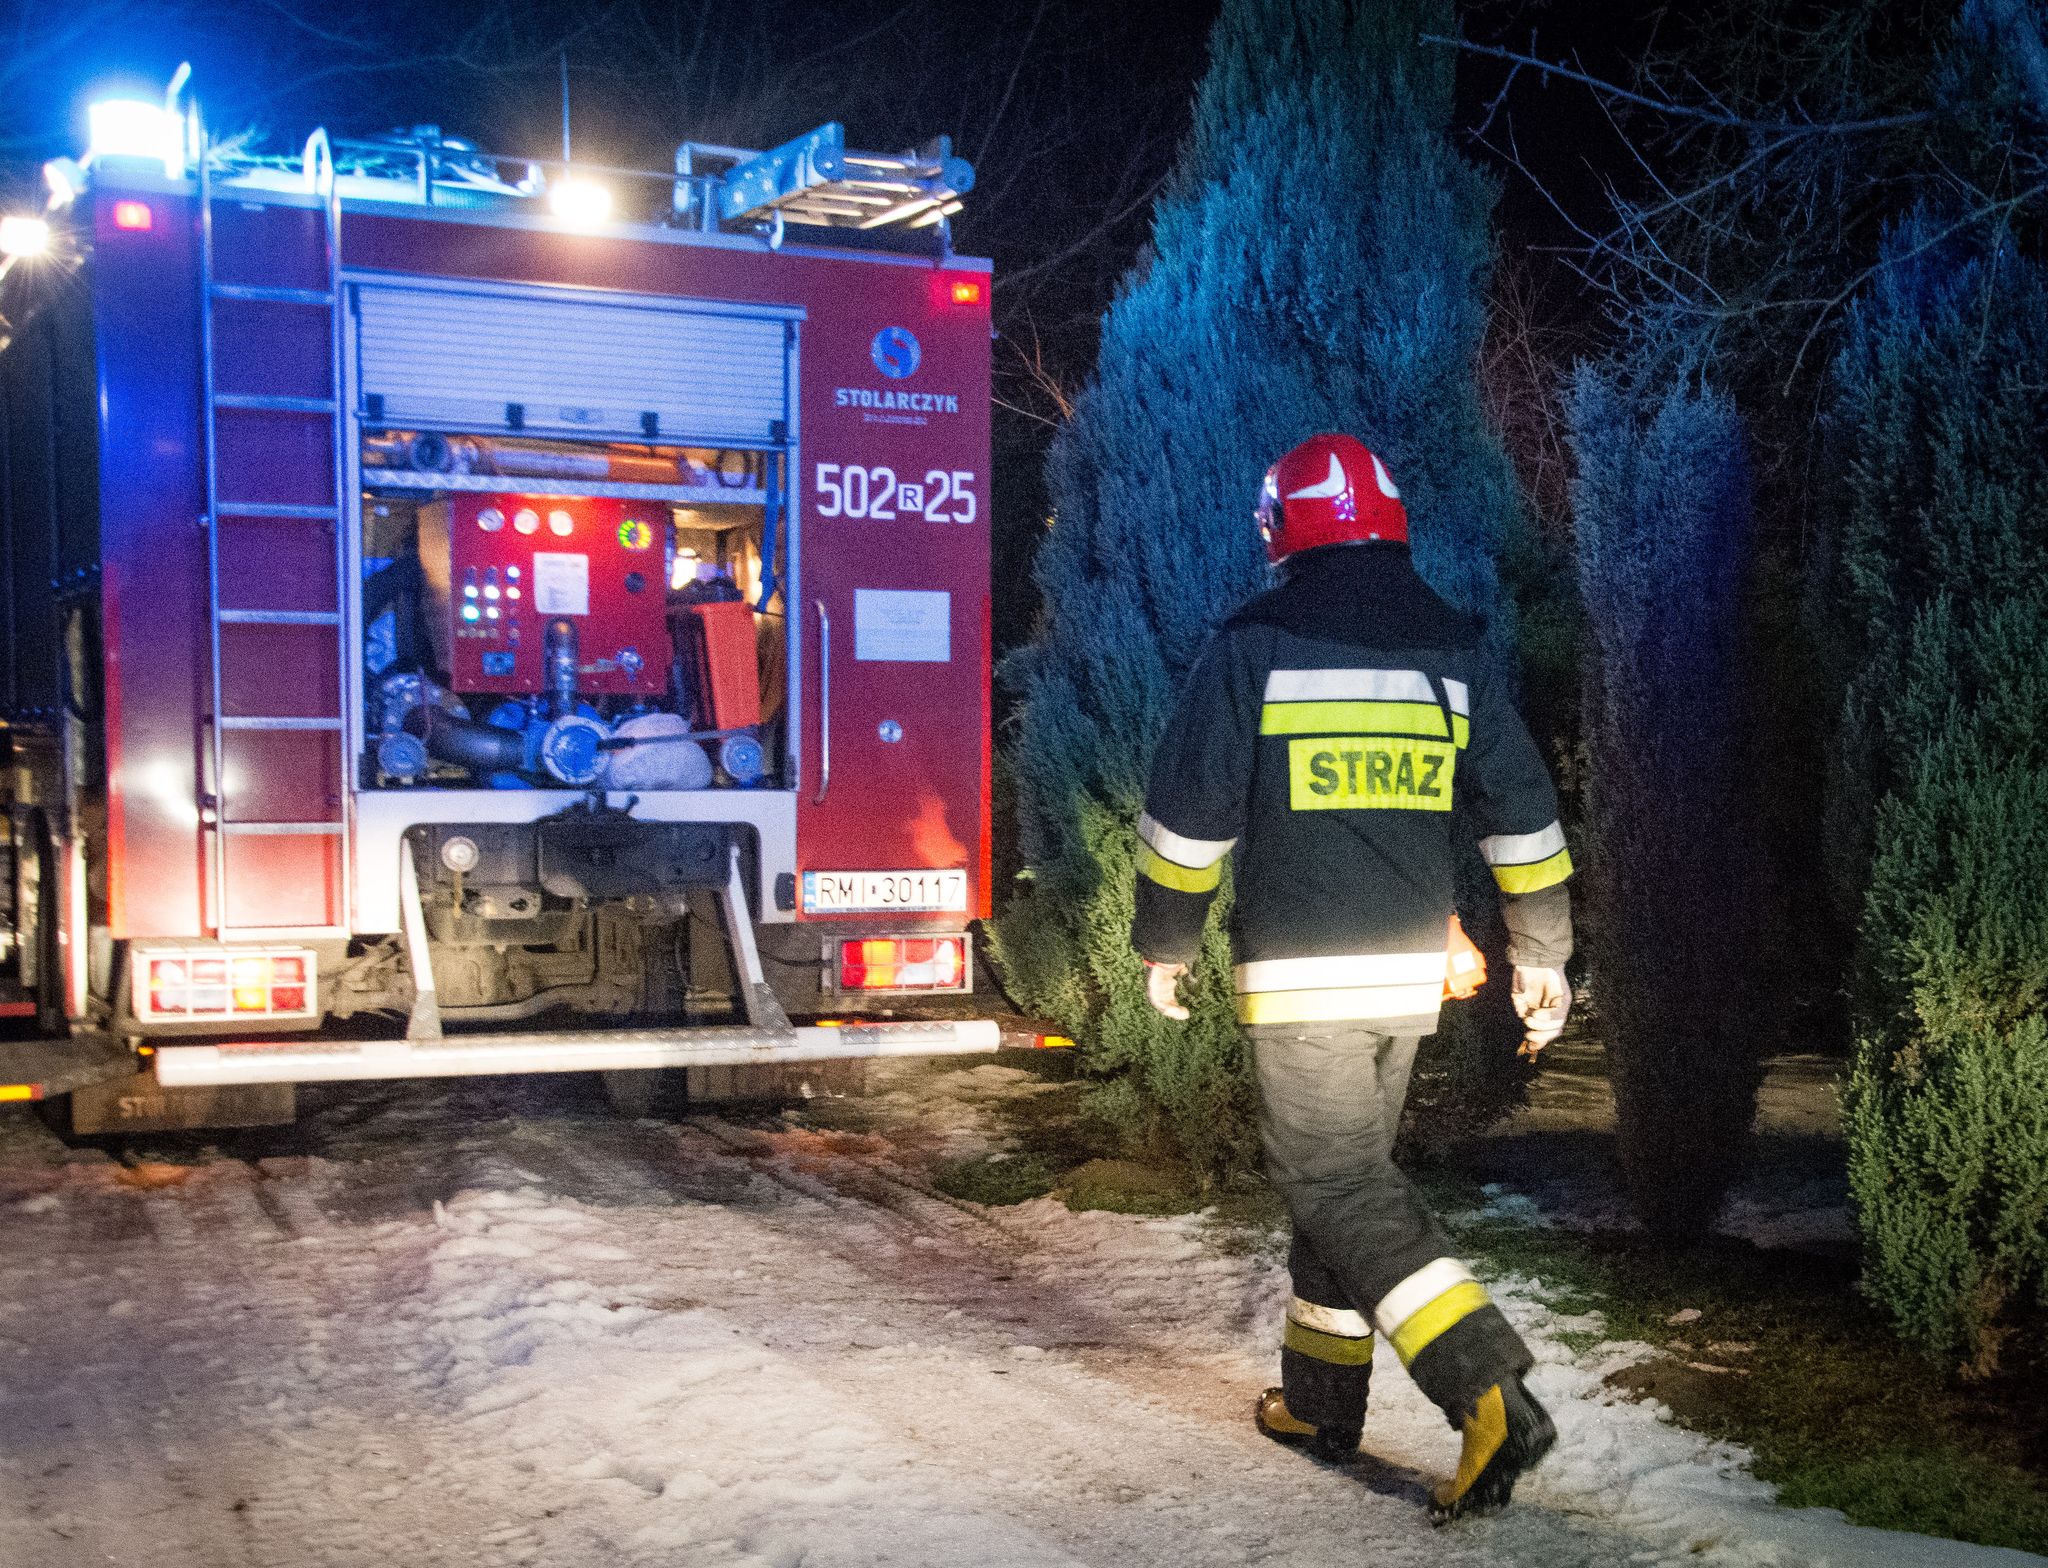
{"x": 561, "y": 583}
{"x": 904, "y": 626}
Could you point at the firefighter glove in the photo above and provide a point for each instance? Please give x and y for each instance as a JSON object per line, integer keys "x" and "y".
{"x": 1542, "y": 1000}
{"x": 1162, "y": 989}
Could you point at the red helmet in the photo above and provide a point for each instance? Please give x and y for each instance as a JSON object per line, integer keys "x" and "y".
{"x": 1318, "y": 494}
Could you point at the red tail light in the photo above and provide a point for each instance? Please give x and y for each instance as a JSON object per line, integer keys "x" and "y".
{"x": 134, "y": 216}
{"x": 248, "y": 987}
{"x": 900, "y": 963}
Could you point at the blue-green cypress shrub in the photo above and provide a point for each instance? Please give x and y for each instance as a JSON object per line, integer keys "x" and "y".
{"x": 1319, "y": 262}
{"x": 1941, "y": 398}
{"x": 1662, "y": 506}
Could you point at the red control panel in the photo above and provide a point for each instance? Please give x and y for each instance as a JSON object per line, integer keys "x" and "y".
{"x": 515, "y": 563}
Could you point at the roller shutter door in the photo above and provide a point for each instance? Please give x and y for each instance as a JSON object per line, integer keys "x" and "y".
{"x": 569, "y": 365}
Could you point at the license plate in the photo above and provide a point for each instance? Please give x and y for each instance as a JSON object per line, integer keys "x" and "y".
{"x": 885, "y": 892}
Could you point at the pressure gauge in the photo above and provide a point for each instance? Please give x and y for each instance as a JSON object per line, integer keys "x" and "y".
{"x": 526, "y": 520}
{"x": 490, "y": 520}
{"x": 560, "y": 524}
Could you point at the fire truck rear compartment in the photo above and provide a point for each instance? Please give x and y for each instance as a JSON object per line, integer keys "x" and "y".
{"x": 515, "y": 638}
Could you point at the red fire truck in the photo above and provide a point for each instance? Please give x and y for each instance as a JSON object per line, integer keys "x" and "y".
{"x": 466, "y": 615}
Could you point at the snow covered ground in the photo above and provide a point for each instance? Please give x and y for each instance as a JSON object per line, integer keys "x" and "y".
{"x": 489, "y": 1324}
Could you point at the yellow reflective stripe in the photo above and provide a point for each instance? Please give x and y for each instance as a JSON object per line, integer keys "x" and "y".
{"x": 1365, "y": 1003}
{"x": 1452, "y": 1307}
{"x": 1461, "y": 730}
{"x": 1536, "y": 876}
{"x": 1338, "y": 718}
{"x": 1182, "y": 879}
{"x": 1334, "y": 1349}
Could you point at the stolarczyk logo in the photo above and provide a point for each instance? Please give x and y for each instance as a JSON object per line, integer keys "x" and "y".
{"x": 895, "y": 352}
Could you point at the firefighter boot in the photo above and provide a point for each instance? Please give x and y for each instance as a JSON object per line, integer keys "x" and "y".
{"x": 1332, "y": 1444}
{"x": 1506, "y": 1433}
{"x": 1325, "y": 1378}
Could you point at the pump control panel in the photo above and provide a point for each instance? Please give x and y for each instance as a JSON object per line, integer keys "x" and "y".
{"x": 500, "y": 568}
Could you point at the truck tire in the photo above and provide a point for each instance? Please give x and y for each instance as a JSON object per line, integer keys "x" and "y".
{"x": 635, "y": 1093}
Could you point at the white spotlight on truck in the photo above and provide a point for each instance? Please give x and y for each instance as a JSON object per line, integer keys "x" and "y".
{"x": 134, "y": 129}
{"x": 582, "y": 203}
{"x": 21, "y": 237}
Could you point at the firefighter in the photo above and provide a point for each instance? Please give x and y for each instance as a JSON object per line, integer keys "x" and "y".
{"x": 1323, "y": 738}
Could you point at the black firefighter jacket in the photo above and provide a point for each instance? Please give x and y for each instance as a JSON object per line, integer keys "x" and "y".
{"x": 1324, "y": 739}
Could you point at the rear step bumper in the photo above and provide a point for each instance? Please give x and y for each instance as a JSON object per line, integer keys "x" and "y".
{"x": 460, "y": 1056}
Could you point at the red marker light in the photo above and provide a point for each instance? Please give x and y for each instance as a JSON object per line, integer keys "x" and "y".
{"x": 134, "y": 216}
{"x": 967, "y": 291}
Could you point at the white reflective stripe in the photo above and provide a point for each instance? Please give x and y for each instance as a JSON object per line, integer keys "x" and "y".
{"x": 1194, "y": 853}
{"x": 1461, "y": 696}
{"x": 1349, "y": 685}
{"x": 1522, "y": 849}
{"x": 1363, "y": 969}
{"x": 1417, "y": 1291}
{"x": 1341, "y": 1321}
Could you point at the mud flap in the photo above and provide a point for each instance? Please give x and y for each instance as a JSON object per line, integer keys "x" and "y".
{"x": 140, "y": 1104}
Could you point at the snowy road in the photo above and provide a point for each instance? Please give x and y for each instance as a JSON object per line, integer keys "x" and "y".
{"x": 487, "y": 1323}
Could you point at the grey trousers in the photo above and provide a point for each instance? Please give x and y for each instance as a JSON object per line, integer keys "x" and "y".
{"x": 1330, "y": 1098}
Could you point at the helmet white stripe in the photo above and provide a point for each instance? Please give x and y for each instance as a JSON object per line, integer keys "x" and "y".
{"x": 1336, "y": 484}
{"x": 1382, "y": 478}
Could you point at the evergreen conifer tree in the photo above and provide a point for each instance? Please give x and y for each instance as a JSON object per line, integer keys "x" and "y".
{"x": 1319, "y": 262}
{"x": 1941, "y": 398}
{"x": 1662, "y": 507}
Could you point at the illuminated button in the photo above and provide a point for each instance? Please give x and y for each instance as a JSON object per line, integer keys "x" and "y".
{"x": 491, "y": 614}
{"x": 469, "y": 590}
{"x": 511, "y": 593}
{"x": 560, "y": 523}
{"x": 511, "y": 574}
{"x": 526, "y": 520}
{"x": 491, "y": 592}
{"x": 490, "y": 519}
{"x": 470, "y": 612}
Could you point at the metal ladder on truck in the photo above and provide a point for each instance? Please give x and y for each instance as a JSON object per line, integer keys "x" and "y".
{"x": 274, "y": 801}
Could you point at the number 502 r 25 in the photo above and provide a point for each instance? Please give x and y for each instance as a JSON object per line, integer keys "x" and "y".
{"x": 849, "y": 490}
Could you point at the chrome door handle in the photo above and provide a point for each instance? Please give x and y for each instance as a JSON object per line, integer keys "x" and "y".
{"x": 824, "y": 703}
